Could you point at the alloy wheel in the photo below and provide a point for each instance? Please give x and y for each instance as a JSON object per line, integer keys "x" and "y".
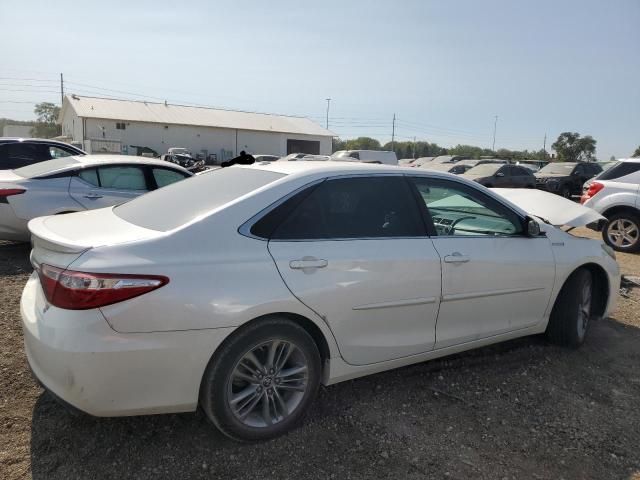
{"x": 268, "y": 383}
{"x": 584, "y": 309}
{"x": 623, "y": 232}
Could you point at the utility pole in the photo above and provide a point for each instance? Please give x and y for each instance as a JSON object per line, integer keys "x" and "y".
{"x": 495, "y": 125}
{"x": 393, "y": 134}
{"x": 414, "y": 147}
{"x": 328, "y": 103}
{"x": 544, "y": 145}
{"x": 61, "y": 90}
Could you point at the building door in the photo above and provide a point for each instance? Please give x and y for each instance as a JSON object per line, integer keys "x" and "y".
{"x": 303, "y": 146}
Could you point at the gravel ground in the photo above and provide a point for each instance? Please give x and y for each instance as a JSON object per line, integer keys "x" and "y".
{"x": 522, "y": 409}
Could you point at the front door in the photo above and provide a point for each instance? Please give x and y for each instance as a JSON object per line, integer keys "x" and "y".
{"x": 494, "y": 278}
{"x": 355, "y": 251}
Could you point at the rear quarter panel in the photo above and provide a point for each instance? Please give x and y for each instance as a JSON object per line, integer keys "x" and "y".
{"x": 218, "y": 279}
{"x": 44, "y": 197}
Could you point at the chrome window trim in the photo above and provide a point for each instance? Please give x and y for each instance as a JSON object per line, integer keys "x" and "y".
{"x": 245, "y": 228}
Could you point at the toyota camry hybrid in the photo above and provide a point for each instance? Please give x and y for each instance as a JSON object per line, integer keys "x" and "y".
{"x": 243, "y": 289}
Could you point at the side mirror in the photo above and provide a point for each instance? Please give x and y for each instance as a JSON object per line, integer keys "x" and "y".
{"x": 532, "y": 227}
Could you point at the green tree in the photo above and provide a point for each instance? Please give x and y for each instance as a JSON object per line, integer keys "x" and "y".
{"x": 46, "y": 126}
{"x": 571, "y": 147}
{"x": 417, "y": 149}
{"x": 362, "y": 143}
{"x": 636, "y": 154}
{"x": 471, "y": 151}
{"x": 337, "y": 144}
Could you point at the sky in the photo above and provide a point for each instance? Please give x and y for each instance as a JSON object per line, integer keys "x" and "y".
{"x": 446, "y": 69}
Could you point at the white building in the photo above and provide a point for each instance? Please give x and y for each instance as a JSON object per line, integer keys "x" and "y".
{"x": 135, "y": 127}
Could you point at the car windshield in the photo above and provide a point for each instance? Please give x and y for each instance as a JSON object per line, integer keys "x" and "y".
{"x": 485, "y": 169}
{"x": 179, "y": 203}
{"x": 558, "y": 167}
{"x": 43, "y": 168}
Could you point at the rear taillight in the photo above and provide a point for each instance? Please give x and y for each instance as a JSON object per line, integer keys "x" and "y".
{"x": 8, "y": 192}
{"x": 594, "y": 188}
{"x": 81, "y": 290}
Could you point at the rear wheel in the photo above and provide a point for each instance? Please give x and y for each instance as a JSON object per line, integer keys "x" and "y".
{"x": 263, "y": 380}
{"x": 622, "y": 232}
{"x": 571, "y": 313}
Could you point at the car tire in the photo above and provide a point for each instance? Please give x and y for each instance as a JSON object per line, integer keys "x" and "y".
{"x": 488, "y": 185}
{"x": 622, "y": 232}
{"x": 571, "y": 313}
{"x": 565, "y": 192}
{"x": 250, "y": 391}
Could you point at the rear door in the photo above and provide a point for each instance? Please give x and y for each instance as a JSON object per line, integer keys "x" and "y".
{"x": 522, "y": 177}
{"x": 355, "y": 251}
{"x": 99, "y": 187}
{"x": 502, "y": 177}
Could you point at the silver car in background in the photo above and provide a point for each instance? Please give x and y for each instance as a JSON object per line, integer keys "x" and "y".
{"x": 76, "y": 183}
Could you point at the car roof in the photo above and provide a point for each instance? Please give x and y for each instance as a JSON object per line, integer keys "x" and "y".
{"x": 630, "y": 160}
{"x": 34, "y": 140}
{"x": 86, "y": 161}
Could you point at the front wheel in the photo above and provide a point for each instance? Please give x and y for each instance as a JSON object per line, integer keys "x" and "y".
{"x": 571, "y": 314}
{"x": 565, "y": 191}
{"x": 263, "y": 381}
{"x": 622, "y": 232}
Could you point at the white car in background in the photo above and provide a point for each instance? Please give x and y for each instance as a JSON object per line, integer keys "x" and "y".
{"x": 243, "y": 289}
{"x": 615, "y": 193}
{"x": 76, "y": 183}
{"x": 384, "y": 157}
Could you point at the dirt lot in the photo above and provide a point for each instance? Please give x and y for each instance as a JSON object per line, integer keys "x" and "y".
{"x": 523, "y": 409}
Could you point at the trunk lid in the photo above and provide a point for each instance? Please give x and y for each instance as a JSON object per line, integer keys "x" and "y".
{"x": 60, "y": 239}
{"x": 9, "y": 179}
{"x": 557, "y": 210}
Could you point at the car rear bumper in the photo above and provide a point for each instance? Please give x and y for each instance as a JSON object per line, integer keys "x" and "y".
{"x": 82, "y": 361}
{"x": 12, "y": 227}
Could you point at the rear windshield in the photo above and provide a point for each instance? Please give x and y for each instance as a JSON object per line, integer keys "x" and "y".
{"x": 620, "y": 169}
{"x": 484, "y": 169}
{"x": 43, "y": 168}
{"x": 558, "y": 167}
{"x": 172, "y": 206}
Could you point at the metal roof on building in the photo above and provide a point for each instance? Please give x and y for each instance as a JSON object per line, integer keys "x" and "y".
{"x": 169, "y": 114}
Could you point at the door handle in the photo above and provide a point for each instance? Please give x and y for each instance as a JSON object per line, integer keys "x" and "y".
{"x": 92, "y": 196}
{"x": 456, "y": 257}
{"x": 308, "y": 263}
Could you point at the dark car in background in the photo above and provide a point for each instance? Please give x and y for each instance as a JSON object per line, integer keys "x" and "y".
{"x": 20, "y": 152}
{"x": 566, "y": 178}
{"x": 501, "y": 176}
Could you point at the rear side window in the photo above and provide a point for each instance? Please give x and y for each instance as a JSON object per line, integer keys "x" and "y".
{"x": 620, "y": 169}
{"x": 165, "y": 176}
{"x": 359, "y": 207}
{"x": 122, "y": 178}
{"x": 179, "y": 203}
{"x": 90, "y": 175}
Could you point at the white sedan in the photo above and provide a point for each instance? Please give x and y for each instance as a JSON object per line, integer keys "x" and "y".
{"x": 243, "y": 289}
{"x": 76, "y": 183}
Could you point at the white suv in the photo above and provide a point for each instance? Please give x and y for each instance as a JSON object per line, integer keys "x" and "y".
{"x": 615, "y": 193}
